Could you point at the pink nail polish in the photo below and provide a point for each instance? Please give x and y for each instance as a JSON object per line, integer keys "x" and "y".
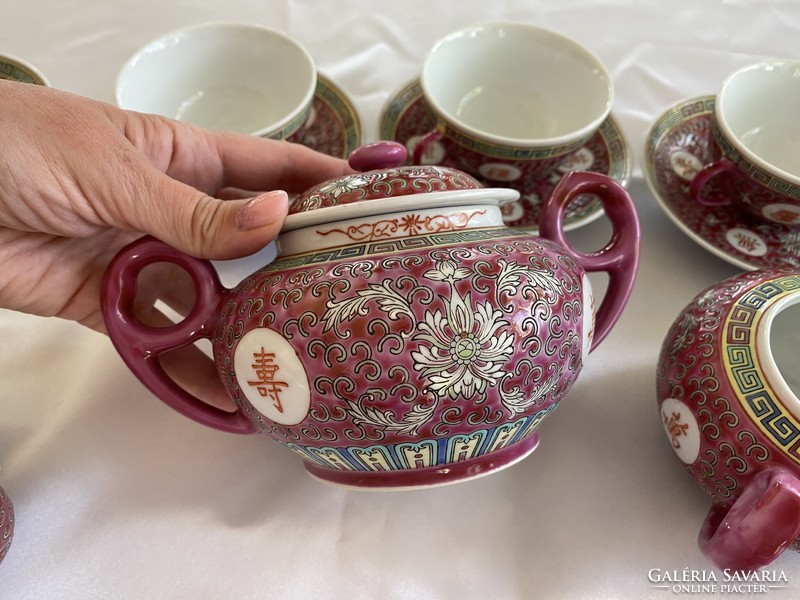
{"x": 262, "y": 210}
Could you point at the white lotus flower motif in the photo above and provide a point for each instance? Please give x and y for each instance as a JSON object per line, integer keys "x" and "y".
{"x": 447, "y": 270}
{"x": 465, "y": 354}
{"x": 343, "y": 185}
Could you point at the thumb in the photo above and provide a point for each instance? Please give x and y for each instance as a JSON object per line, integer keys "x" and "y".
{"x": 208, "y": 227}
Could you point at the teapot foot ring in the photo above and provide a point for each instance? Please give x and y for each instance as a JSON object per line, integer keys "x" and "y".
{"x": 435, "y": 476}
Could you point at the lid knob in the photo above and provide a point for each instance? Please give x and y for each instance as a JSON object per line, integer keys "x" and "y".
{"x": 378, "y": 155}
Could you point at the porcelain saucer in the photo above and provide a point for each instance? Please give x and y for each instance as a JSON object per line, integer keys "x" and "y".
{"x": 678, "y": 144}
{"x": 333, "y": 126}
{"x": 406, "y": 118}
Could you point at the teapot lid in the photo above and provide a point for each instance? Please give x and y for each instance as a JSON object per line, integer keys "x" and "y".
{"x": 382, "y": 185}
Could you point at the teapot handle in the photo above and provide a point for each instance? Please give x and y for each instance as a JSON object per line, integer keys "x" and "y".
{"x": 762, "y": 523}
{"x": 141, "y": 345}
{"x": 620, "y": 257}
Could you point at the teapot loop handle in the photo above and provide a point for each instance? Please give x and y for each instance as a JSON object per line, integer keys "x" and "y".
{"x": 619, "y": 258}
{"x": 140, "y": 345}
{"x": 757, "y": 527}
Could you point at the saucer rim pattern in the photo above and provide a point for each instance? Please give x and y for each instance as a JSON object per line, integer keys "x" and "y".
{"x": 660, "y": 128}
{"x": 14, "y": 68}
{"x": 330, "y": 93}
{"x": 620, "y": 165}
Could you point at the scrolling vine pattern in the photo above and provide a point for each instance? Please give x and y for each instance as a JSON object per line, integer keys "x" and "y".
{"x": 409, "y": 224}
{"x": 691, "y": 370}
{"x": 463, "y": 348}
{"x": 477, "y": 340}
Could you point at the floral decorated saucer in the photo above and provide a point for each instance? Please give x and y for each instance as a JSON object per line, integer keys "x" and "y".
{"x": 406, "y": 118}
{"x": 677, "y": 146}
{"x": 333, "y": 126}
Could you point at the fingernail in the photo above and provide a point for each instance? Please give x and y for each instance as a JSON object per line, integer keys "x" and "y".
{"x": 262, "y": 210}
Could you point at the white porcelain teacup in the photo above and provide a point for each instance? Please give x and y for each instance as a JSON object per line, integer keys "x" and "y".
{"x": 756, "y": 125}
{"x": 510, "y": 98}
{"x": 15, "y": 68}
{"x": 228, "y": 76}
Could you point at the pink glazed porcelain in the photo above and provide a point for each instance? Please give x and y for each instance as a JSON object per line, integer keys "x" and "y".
{"x": 727, "y": 387}
{"x": 759, "y": 167}
{"x": 404, "y": 336}
{"x": 6, "y": 524}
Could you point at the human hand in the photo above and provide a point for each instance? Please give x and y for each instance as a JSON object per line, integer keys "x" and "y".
{"x": 79, "y": 179}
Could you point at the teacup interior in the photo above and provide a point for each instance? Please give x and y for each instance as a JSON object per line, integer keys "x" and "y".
{"x": 760, "y": 107}
{"x": 16, "y": 69}
{"x": 784, "y": 342}
{"x": 221, "y": 76}
{"x": 518, "y": 83}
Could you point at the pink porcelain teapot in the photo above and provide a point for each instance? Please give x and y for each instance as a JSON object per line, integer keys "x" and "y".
{"x": 404, "y": 336}
{"x": 729, "y": 399}
{"x": 6, "y": 524}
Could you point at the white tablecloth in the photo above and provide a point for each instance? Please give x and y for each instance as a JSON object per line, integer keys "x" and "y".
{"x": 117, "y": 496}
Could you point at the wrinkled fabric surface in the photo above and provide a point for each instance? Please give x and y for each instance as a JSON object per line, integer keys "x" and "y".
{"x": 118, "y": 496}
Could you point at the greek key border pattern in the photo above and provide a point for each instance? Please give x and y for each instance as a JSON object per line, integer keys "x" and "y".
{"x": 410, "y": 93}
{"x": 752, "y": 171}
{"x": 342, "y": 107}
{"x": 15, "y": 72}
{"x": 739, "y": 356}
{"x": 670, "y": 119}
{"x": 677, "y": 115}
{"x": 423, "y": 453}
{"x": 509, "y": 152}
{"x": 351, "y": 251}
{"x": 619, "y": 161}
{"x": 292, "y": 125}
